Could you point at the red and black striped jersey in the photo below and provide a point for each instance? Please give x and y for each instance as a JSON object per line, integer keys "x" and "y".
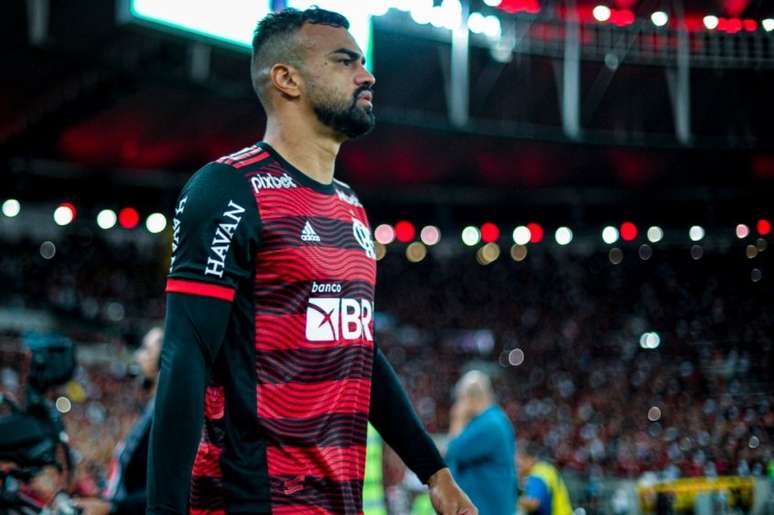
{"x": 287, "y": 403}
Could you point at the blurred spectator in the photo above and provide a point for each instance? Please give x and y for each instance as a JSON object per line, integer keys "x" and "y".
{"x": 544, "y": 491}
{"x": 126, "y": 489}
{"x": 480, "y": 453}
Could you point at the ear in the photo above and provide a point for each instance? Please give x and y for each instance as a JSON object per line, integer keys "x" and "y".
{"x": 286, "y": 80}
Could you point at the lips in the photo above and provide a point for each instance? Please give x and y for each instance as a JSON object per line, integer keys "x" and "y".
{"x": 366, "y": 95}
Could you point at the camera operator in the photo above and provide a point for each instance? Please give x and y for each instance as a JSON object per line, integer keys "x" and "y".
{"x": 125, "y": 493}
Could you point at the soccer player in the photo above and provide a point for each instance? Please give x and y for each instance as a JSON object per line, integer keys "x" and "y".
{"x": 270, "y": 372}
{"x": 544, "y": 491}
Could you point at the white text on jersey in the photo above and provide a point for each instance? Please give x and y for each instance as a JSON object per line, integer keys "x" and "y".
{"x": 216, "y": 261}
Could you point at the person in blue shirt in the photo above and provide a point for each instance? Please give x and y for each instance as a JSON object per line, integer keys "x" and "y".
{"x": 544, "y": 491}
{"x": 482, "y": 445}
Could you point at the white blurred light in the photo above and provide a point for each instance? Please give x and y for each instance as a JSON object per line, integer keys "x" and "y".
{"x": 422, "y": 11}
{"x": 47, "y": 250}
{"x": 384, "y": 234}
{"x": 492, "y": 27}
{"x": 654, "y": 413}
{"x": 768, "y": 24}
{"x": 655, "y": 234}
{"x": 610, "y": 234}
{"x": 659, "y": 18}
{"x": 63, "y": 215}
{"x": 493, "y": 3}
{"x": 650, "y": 340}
{"x": 63, "y": 405}
{"x": 430, "y": 235}
{"x": 476, "y": 23}
{"x": 696, "y": 233}
{"x": 742, "y": 231}
{"x": 155, "y": 223}
{"x": 106, "y": 219}
{"x": 11, "y": 207}
{"x": 516, "y": 357}
{"x": 601, "y": 13}
{"x": 563, "y": 236}
{"x": 521, "y": 235}
{"x": 470, "y": 236}
{"x": 448, "y": 14}
{"x": 711, "y": 22}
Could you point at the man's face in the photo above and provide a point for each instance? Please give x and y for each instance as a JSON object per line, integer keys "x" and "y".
{"x": 147, "y": 356}
{"x": 337, "y": 85}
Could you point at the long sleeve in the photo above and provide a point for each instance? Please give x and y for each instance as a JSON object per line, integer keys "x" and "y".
{"x": 215, "y": 232}
{"x": 192, "y": 325}
{"x": 475, "y": 443}
{"x": 394, "y": 417}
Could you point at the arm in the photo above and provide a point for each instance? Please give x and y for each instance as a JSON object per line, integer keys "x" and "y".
{"x": 394, "y": 417}
{"x": 192, "y": 325}
{"x": 214, "y": 239}
{"x": 474, "y": 443}
{"x": 534, "y": 490}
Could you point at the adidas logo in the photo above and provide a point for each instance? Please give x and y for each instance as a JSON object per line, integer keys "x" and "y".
{"x": 308, "y": 234}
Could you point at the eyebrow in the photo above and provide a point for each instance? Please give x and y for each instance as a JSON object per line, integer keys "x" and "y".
{"x": 349, "y": 53}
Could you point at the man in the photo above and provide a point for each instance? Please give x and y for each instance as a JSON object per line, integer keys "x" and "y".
{"x": 269, "y": 370}
{"x": 125, "y": 493}
{"x": 544, "y": 492}
{"x": 482, "y": 446}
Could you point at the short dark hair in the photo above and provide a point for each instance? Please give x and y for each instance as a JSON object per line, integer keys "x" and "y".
{"x": 272, "y": 39}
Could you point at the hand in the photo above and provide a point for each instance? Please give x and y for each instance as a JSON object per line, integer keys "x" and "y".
{"x": 447, "y": 497}
{"x": 93, "y": 506}
{"x": 458, "y": 418}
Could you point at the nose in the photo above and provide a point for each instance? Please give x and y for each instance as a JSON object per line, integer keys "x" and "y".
{"x": 365, "y": 77}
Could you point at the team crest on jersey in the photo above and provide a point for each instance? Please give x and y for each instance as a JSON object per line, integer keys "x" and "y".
{"x": 363, "y": 237}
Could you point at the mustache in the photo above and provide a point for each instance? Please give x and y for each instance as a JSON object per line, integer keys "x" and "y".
{"x": 363, "y": 89}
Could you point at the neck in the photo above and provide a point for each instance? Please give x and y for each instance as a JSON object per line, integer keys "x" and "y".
{"x": 307, "y": 146}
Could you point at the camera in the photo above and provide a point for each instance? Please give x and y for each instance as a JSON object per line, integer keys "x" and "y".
{"x": 33, "y": 437}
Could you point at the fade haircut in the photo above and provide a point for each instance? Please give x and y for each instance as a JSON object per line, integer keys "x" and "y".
{"x": 274, "y": 41}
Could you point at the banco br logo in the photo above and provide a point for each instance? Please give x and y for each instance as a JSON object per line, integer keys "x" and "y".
{"x": 331, "y": 319}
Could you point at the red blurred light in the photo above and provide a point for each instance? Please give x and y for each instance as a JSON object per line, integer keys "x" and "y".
{"x": 750, "y": 25}
{"x": 628, "y": 231}
{"x": 763, "y": 226}
{"x": 734, "y": 25}
{"x": 405, "y": 231}
{"x": 515, "y": 6}
{"x": 490, "y": 233}
{"x": 621, "y": 17}
{"x": 128, "y": 217}
{"x": 535, "y": 232}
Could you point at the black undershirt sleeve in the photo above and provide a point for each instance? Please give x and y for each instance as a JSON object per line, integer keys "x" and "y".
{"x": 194, "y": 329}
{"x": 394, "y": 418}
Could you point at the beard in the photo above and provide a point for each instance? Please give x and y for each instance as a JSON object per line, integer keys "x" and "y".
{"x": 345, "y": 118}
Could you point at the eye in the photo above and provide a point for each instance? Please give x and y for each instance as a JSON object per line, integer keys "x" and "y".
{"x": 346, "y": 62}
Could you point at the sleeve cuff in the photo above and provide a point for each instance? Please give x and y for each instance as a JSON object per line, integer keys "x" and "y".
{"x": 200, "y": 289}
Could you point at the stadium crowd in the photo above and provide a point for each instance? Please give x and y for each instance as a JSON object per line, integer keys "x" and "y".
{"x": 561, "y": 334}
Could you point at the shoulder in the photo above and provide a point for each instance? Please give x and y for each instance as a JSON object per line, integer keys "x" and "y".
{"x": 346, "y": 193}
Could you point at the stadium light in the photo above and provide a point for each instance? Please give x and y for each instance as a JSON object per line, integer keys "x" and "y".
{"x": 493, "y": 3}
{"x": 490, "y": 232}
{"x": 601, "y": 13}
{"x": 563, "y": 236}
{"x": 430, "y": 235}
{"x": 11, "y": 207}
{"x": 405, "y": 231}
{"x": 610, "y": 234}
{"x": 521, "y": 235}
{"x": 763, "y": 226}
{"x": 742, "y": 231}
{"x": 384, "y": 234}
{"x": 416, "y": 252}
{"x": 628, "y": 231}
{"x": 476, "y": 23}
{"x": 470, "y": 236}
{"x": 655, "y": 234}
{"x": 650, "y": 340}
{"x": 106, "y": 219}
{"x": 492, "y": 27}
{"x": 711, "y": 22}
{"x": 696, "y": 233}
{"x": 128, "y": 217}
{"x": 768, "y": 24}
{"x": 659, "y": 18}
{"x": 64, "y": 213}
{"x": 155, "y": 223}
